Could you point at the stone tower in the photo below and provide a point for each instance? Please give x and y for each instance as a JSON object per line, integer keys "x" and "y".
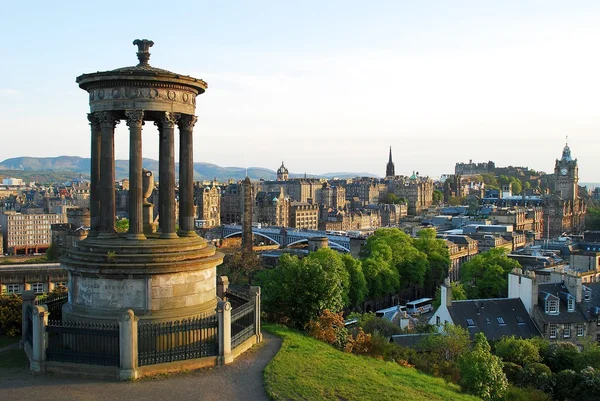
{"x": 282, "y": 173}
{"x": 247, "y": 217}
{"x": 167, "y": 275}
{"x": 389, "y": 169}
{"x": 566, "y": 175}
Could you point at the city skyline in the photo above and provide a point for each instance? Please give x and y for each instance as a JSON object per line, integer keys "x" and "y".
{"x": 327, "y": 87}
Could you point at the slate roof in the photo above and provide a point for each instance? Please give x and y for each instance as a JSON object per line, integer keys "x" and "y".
{"x": 593, "y": 303}
{"x": 495, "y": 318}
{"x": 564, "y": 316}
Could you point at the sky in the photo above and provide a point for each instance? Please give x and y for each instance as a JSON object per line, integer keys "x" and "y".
{"x": 325, "y": 86}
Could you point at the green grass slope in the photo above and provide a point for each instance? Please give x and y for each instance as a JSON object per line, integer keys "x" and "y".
{"x": 307, "y": 369}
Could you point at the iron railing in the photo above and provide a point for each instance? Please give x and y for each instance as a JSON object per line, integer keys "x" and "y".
{"x": 237, "y": 296}
{"x": 242, "y": 323}
{"x": 29, "y": 332}
{"x": 55, "y": 304}
{"x": 177, "y": 341}
{"x": 86, "y": 343}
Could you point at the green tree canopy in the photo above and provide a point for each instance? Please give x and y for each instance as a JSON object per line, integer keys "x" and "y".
{"x": 486, "y": 275}
{"x": 481, "y": 372}
{"x": 517, "y": 350}
{"x": 358, "y": 284}
{"x": 298, "y": 291}
{"x": 438, "y": 196}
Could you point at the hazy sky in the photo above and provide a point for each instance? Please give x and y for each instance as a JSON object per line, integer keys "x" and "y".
{"x": 326, "y": 86}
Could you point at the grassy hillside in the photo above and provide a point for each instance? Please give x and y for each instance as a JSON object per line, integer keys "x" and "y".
{"x": 307, "y": 369}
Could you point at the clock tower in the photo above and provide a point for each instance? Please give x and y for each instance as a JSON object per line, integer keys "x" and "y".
{"x": 566, "y": 175}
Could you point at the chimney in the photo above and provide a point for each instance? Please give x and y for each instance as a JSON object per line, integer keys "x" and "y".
{"x": 446, "y": 293}
{"x": 573, "y": 284}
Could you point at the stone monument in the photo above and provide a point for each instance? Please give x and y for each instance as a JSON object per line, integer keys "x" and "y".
{"x": 164, "y": 275}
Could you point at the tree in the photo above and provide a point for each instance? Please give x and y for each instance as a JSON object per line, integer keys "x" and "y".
{"x": 358, "y": 284}
{"x": 53, "y": 252}
{"x": 486, "y": 275}
{"x": 517, "y": 186}
{"x": 456, "y": 200}
{"x": 10, "y": 314}
{"x": 438, "y": 196}
{"x": 438, "y": 258}
{"x": 592, "y": 218}
{"x": 538, "y": 376}
{"x": 561, "y": 355}
{"x": 298, "y": 291}
{"x": 481, "y": 371}
{"x": 517, "y": 350}
{"x": 381, "y": 278}
{"x": 242, "y": 264}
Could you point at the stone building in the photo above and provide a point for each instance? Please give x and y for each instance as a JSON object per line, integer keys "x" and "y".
{"x": 333, "y": 196}
{"x": 366, "y": 190}
{"x": 471, "y": 168}
{"x": 40, "y": 278}
{"x": 304, "y": 215}
{"x": 392, "y": 214}
{"x": 282, "y": 173}
{"x": 27, "y": 232}
{"x": 231, "y": 203}
{"x": 207, "y": 200}
{"x": 524, "y": 220}
{"x": 564, "y": 210}
{"x": 418, "y": 191}
{"x": 272, "y": 209}
{"x": 67, "y": 235}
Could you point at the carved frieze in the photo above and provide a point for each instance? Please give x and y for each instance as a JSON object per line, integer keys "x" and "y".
{"x": 132, "y": 92}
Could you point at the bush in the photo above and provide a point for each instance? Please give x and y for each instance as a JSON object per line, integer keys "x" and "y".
{"x": 565, "y": 383}
{"x": 10, "y": 314}
{"x": 538, "y": 376}
{"x": 376, "y": 325}
{"x": 561, "y": 356}
{"x": 526, "y": 394}
{"x": 329, "y": 328}
{"x": 512, "y": 371}
{"x": 361, "y": 345}
{"x": 517, "y": 350}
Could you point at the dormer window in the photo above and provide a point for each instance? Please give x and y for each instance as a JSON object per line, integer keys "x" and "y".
{"x": 551, "y": 306}
{"x": 571, "y": 304}
{"x": 587, "y": 294}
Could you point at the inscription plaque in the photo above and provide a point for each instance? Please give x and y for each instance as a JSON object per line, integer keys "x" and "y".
{"x": 108, "y": 293}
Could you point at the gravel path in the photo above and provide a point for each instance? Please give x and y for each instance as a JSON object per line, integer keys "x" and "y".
{"x": 241, "y": 380}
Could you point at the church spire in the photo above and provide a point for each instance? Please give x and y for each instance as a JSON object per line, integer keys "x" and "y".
{"x": 389, "y": 169}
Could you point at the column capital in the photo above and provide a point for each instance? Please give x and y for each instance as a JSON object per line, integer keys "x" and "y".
{"x": 94, "y": 123}
{"x": 107, "y": 119}
{"x": 167, "y": 120}
{"x": 187, "y": 121}
{"x": 135, "y": 118}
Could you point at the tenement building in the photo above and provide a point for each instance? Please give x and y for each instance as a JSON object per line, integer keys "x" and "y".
{"x": 304, "y": 215}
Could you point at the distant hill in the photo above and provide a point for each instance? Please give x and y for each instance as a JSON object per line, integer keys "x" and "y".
{"x": 75, "y": 166}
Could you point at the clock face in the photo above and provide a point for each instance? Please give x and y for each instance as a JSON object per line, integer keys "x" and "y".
{"x": 563, "y": 171}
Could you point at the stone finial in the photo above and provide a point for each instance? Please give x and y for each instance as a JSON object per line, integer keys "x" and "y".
{"x": 143, "y": 53}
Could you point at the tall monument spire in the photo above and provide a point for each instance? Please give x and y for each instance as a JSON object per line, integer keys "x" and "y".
{"x": 389, "y": 169}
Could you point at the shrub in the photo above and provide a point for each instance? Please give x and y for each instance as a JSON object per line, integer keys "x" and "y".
{"x": 565, "y": 383}
{"x": 511, "y": 370}
{"x": 384, "y": 328}
{"x": 10, "y": 314}
{"x": 517, "y": 350}
{"x": 526, "y": 394}
{"x": 361, "y": 345}
{"x": 538, "y": 376}
{"x": 329, "y": 328}
{"x": 561, "y": 356}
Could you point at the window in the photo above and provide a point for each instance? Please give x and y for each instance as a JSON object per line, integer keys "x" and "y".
{"x": 38, "y": 288}
{"x": 13, "y": 288}
{"x": 520, "y": 320}
{"x": 487, "y": 320}
{"x": 571, "y": 304}
{"x": 552, "y": 330}
{"x": 567, "y": 331}
{"x": 580, "y": 330}
{"x": 552, "y": 307}
{"x": 470, "y": 322}
{"x": 500, "y": 320}
{"x": 437, "y": 320}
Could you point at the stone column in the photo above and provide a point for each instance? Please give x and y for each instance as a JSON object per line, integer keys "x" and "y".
{"x": 224, "y": 317}
{"x": 108, "y": 121}
{"x": 128, "y": 345}
{"x": 135, "y": 120}
{"x": 186, "y": 176}
{"x": 40, "y": 320}
{"x": 222, "y": 286}
{"x": 94, "y": 176}
{"x": 166, "y": 172}
{"x": 255, "y": 290}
